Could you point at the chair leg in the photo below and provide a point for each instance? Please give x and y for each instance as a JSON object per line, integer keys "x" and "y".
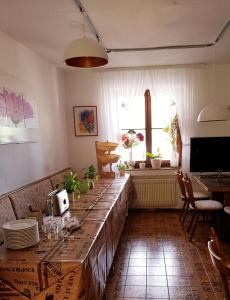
{"x": 185, "y": 212}
{"x": 182, "y": 210}
{"x": 217, "y": 221}
{"x": 191, "y": 221}
{"x": 224, "y": 282}
{"x": 193, "y": 229}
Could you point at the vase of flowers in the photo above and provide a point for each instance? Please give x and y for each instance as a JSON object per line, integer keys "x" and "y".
{"x": 156, "y": 159}
{"x": 130, "y": 140}
{"x": 172, "y": 130}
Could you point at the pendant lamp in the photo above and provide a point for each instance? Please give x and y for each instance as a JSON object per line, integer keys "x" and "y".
{"x": 85, "y": 53}
{"x": 213, "y": 112}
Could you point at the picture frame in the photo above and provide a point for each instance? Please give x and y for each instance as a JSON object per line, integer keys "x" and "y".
{"x": 85, "y": 121}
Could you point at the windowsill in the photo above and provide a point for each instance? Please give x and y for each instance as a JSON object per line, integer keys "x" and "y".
{"x": 149, "y": 171}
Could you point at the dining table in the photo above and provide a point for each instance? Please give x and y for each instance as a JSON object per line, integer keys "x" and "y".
{"x": 219, "y": 188}
{"x": 72, "y": 265}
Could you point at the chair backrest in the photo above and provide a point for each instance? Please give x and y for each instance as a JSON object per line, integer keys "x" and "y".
{"x": 189, "y": 189}
{"x": 179, "y": 176}
{"x": 219, "y": 261}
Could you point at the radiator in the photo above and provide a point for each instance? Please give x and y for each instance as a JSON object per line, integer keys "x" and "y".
{"x": 154, "y": 193}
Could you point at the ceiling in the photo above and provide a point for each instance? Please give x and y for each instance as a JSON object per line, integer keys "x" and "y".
{"x": 48, "y": 26}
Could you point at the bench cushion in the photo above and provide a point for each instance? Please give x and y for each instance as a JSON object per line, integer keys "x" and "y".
{"x": 6, "y": 214}
{"x": 58, "y": 178}
{"x": 34, "y": 195}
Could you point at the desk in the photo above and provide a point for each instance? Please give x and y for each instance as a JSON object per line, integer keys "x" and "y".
{"x": 74, "y": 268}
{"x": 218, "y": 187}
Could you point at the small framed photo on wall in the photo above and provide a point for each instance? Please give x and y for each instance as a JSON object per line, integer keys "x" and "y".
{"x": 85, "y": 120}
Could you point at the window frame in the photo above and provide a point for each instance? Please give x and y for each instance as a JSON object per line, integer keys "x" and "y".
{"x": 148, "y": 135}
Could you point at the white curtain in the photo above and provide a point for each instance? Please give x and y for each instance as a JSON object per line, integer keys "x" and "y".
{"x": 182, "y": 84}
{"x": 114, "y": 85}
{"x": 184, "y": 87}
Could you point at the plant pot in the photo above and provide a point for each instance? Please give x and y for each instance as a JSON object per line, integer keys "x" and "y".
{"x": 142, "y": 165}
{"x": 84, "y": 186}
{"x": 156, "y": 163}
{"x": 122, "y": 172}
{"x": 71, "y": 196}
{"x": 91, "y": 183}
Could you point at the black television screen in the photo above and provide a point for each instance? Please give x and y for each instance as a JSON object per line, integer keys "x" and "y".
{"x": 210, "y": 154}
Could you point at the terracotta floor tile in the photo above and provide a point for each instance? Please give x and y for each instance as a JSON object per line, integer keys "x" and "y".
{"x": 155, "y": 254}
{"x": 136, "y": 280}
{"x": 155, "y": 260}
{"x": 176, "y": 271}
{"x": 174, "y": 262}
{"x": 136, "y": 271}
{"x": 199, "y": 294}
{"x": 180, "y": 292}
{"x": 156, "y": 271}
{"x": 156, "y": 292}
{"x": 138, "y": 255}
{"x": 157, "y": 280}
{"x": 135, "y": 291}
{"x": 178, "y": 281}
{"x": 172, "y": 254}
{"x": 137, "y": 262}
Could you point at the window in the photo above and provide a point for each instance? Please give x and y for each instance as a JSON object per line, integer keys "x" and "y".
{"x": 148, "y": 116}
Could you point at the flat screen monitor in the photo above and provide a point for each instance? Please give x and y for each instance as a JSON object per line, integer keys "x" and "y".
{"x": 210, "y": 154}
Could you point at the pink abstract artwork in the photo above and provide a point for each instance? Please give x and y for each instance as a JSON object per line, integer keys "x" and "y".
{"x": 16, "y": 110}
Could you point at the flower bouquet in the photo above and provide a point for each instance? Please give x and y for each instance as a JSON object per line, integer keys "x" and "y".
{"x": 130, "y": 140}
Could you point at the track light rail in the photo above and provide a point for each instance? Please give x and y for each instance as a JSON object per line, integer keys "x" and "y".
{"x": 173, "y": 47}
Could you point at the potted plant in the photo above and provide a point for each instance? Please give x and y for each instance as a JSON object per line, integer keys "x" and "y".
{"x": 121, "y": 167}
{"x": 91, "y": 175}
{"x": 172, "y": 130}
{"x": 142, "y": 163}
{"x": 71, "y": 184}
{"x": 156, "y": 159}
{"x": 84, "y": 185}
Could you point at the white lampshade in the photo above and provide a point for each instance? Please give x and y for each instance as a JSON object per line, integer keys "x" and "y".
{"x": 85, "y": 53}
{"x": 213, "y": 112}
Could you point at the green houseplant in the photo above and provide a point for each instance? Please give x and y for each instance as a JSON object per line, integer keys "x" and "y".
{"x": 156, "y": 158}
{"x": 91, "y": 175}
{"x": 172, "y": 130}
{"x": 71, "y": 184}
{"x": 121, "y": 168}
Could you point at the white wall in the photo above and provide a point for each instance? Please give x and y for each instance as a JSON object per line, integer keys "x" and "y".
{"x": 23, "y": 70}
{"x": 214, "y": 88}
{"x": 82, "y": 89}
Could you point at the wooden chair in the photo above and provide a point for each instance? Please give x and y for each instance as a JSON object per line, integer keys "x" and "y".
{"x": 208, "y": 208}
{"x": 184, "y": 196}
{"x": 220, "y": 262}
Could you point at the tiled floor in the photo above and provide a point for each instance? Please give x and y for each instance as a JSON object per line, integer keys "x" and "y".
{"x": 154, "y": 260}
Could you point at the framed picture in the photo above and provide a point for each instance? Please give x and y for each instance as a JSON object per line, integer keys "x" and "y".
{"x": 85, "y": 120}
